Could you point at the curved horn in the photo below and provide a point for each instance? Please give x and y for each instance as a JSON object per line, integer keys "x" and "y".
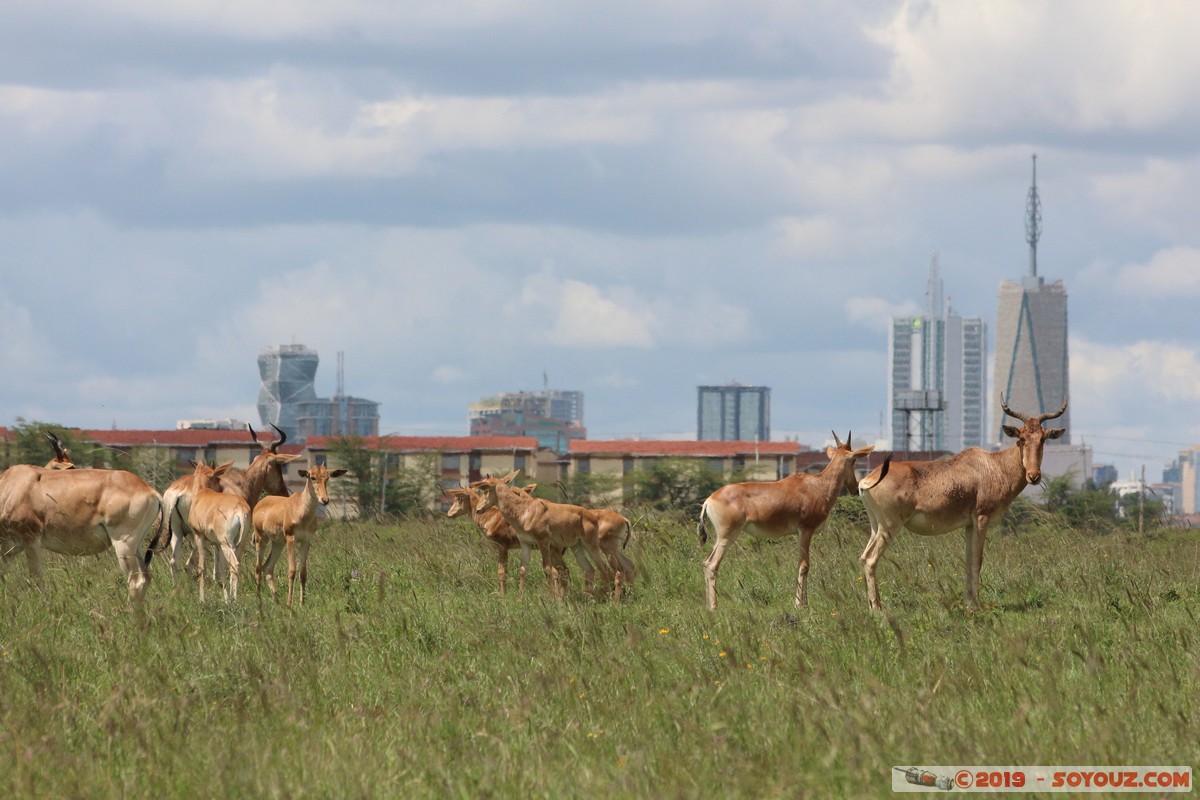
{"x": 1055, "y": 415}
{"x": 58, "y": 446}
{"x": 849, "y": 438}
{"x": 836, "y": 440}
{"x": 253, "y": 435}
{"x": 1011, "y": 413}
{"x": 282, "y": 438}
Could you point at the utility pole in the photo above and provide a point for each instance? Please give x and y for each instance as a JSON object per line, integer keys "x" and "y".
{"x": 1142, "y": 500}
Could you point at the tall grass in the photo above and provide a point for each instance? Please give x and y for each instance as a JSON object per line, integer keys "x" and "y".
{"x": 406, "y": 674}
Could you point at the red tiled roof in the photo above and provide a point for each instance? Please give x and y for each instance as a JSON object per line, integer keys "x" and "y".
{"x": 191, "y": 437}
{"x": 681, "y": 448}
{"x": 434, "y": 444}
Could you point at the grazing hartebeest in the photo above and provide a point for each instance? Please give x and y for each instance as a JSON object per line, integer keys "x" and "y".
{"x": 265, "y": 473}
{"x": 220, "y": 519}
{"x": 968, "y": 490}
{"x": 774, "y": 509}
{"x": 550, "y": 527}
{"x": 290, "y": 520}
{"x": 612, "y": 532}
{"x": 78, "y": 512}
{"x": 495, "y": 530}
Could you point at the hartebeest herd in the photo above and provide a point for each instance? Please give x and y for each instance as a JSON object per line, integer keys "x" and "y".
{"x": 85, "y": 511}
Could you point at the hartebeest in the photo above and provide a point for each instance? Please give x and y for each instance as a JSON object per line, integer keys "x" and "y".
{"x": 290, "y": 521}
{"x": 78, "y": 512}
{"x": 496, "y": 531}
{"x": 969, "y": 490}
{"x": 220, "y": 519}
{"x": 612, "y": 532}
{"x": 265, "y": 474}
{"x": 773, "y": 509}
{"x": 550, "y": 527}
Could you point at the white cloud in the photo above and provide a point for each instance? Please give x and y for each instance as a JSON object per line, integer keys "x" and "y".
{"x": 1141, "y": 374}
{"x": 875, "y": 313}
{"x": 1174, "y": 272}
{"x": 447, "y": 373}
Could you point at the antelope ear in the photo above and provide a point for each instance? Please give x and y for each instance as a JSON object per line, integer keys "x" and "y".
{"x": 863, "y": 451}
{"x": 337, "y": 473}
{"x": 284, "y": 458}
{"x": 1054, "y": 433}
{"x": 303, "y": 473}
{"x": 1011, "y": 432}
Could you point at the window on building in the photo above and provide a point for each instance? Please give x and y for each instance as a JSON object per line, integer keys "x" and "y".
{"x": 583, "y": 465}
{"x": 450, "y": 462}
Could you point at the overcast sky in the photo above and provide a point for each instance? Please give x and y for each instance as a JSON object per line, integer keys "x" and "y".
{"x": 632, "y": 197}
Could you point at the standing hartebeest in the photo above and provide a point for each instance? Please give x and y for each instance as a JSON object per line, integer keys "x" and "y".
{"x": 968, "y": 490}
{"x": 551, "y": 528}
{"x": 496, "y": 531}
{"x": 280, "y": 521}
{"x": 265, "y": 474}
{"x": 78, "y": 512}
{"x": 220, "y": 519}
{"x": 773, "y": 509}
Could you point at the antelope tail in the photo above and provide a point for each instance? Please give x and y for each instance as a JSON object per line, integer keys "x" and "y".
{"x": 165, "y": 523}
{"x": 883, "y": 471}
{"x": 701, "y": 527}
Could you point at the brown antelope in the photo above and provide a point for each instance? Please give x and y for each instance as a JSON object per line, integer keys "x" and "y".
{"x": 773, "y": 509}
{"x": 969, "y": 490}
{"x": 612, "y": 532}
{"x": 78, "y": 512}
{"x": 220, "y": 519}
{"x": 290, "y": 521}
{"x": 265, "y": 473}
{"x": 496, "y": 531}
{"x": 548, "y": 526}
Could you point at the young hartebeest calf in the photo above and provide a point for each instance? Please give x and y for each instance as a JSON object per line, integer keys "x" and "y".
{"x": 290, "y": 521}
{"x": 774, "y": 509}
{"x": 550, "y": 527}
{"x": 220, "y": 519}
{"x": 78, "y": 512}
{"x": 496, "y": 531}
{"x": 969, "y": 490}
{"x": 265, "y": 474}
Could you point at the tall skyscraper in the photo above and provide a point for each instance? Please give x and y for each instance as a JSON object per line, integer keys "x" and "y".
{"x": 937, "y": 381}
{"x": 288, "y": 398}
{"x": 733, "y": 413}
{"x": 1032, "y": 362}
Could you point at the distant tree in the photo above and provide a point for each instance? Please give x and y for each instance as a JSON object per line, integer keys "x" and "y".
{"x": 582, "y": 488}
{"x": 30, "y": 445}
{"x": 413, "y": 490}
{"x": 350, "y": 453}
{"x": 674, "y": 483}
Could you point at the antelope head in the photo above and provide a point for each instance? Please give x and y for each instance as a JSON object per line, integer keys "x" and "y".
{"x": 274, "y": 483}
{"x": 206, "y": 476}
{"x": 318, "y": 477}
{"x": 62, "y": 459}
{"x": 463, "y": 502}
{"x": 848, "y": 478}
{"x": 1031, "y": 437}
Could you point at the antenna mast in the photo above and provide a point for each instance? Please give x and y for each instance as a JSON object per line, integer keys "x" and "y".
{"x": 1033, "y": 221}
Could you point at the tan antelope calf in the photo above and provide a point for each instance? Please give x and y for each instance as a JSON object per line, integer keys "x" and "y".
{"x": 773, "y": 509}
{"x": 220, "y": 519}
{"x": 548, "y": 526}
{"x": 290, "y": 521}
{"x": 612, "y": 532}
{"x": 496, "y": 531}
{"x": 78, "y": 512}
{"x": 969, "y": 490}
{"x": 265, "y": 474}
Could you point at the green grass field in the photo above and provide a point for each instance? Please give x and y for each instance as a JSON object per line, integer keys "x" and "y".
{"x": 406, "y": 674}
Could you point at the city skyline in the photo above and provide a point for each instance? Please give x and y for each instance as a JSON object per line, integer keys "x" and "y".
{"x": 631, "y": 199}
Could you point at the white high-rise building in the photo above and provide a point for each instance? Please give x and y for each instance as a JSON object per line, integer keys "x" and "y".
{"x": 937, "y": 376}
